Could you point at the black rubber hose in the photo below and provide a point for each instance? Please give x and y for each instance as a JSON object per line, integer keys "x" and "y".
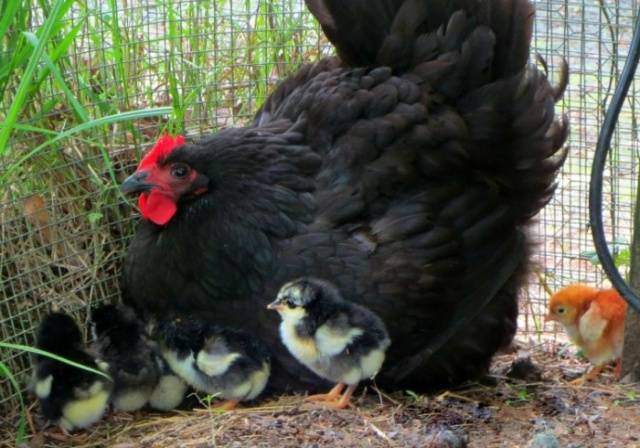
{"x": 599, "y": 159}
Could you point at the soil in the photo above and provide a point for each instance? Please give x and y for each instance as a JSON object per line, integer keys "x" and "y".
{"x": 527, "y": 401}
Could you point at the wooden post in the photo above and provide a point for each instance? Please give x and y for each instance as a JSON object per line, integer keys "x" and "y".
{"x": 631, "y": 351}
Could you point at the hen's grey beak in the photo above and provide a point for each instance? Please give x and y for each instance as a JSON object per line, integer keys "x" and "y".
{"x": 136, "y": 183}
{"x": 275, "y": 305}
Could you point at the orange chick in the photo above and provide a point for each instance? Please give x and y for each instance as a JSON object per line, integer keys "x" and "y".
{"x": 594, "y": 320}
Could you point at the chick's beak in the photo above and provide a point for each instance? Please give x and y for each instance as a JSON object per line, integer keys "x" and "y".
{"x": 136, "y": 183}
{"x": 275, "y": 305}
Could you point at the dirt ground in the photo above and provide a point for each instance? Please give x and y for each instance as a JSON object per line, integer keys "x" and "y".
{"x": 540, "y": 411}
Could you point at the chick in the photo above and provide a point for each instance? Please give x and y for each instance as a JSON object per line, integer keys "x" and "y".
{"x": 120, "y": 341}
{"x": 69, "y": 396}
{"x": 594, "y": 320}
{"x": 170, "y": 389}
{"x": 225, "y": 363}
{"x": 338, "y": 340}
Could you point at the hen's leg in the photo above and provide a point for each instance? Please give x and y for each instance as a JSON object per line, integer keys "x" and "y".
{"x": 590, "y": 375}
{"x": 333, "y": 394}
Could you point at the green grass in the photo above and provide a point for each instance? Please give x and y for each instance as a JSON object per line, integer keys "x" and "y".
{"x": 22, "y": 92}
{"x": 5, "y": 372}
{"x": 37, "y": 351}
{"x": 88, "y": 60}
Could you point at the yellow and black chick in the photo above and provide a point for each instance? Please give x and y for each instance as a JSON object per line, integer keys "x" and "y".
{"x": 170, "y": 389}
{"x": 338, "y": 340}
{"x": 71, "y": 397}
{"x": 228, "y": 364}
{"x": 121, "y": 342}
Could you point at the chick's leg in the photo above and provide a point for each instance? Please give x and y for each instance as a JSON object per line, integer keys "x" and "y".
{"x": 333, "y": 394}
{"x": 590, "y": 375}
{"x": 228, "y": 405}
{"x": 345, "y": 399}
{"x": 617, "y": 371}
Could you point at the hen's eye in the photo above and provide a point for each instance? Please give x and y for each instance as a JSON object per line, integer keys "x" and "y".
{"x": 560, "y": 310}
{"x": 179, "y": 170}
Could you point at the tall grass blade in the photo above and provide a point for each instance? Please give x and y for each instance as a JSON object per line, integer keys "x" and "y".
{"x": 37, "y": 351}
{"x": 21, "y": 431}
{"x": 117, "y": 51}
{"x": 8, "y": 14}
{"x": 176, "y": 98}
{"x": 25, "y": 83}
{"x": 77, "y": 107}
{"x": 110, "y": 119}
{"x": 59, "y": 51}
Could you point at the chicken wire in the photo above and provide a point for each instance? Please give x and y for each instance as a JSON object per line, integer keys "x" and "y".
{"x": 594, "y": 37}
{"x": 64, "y": 226}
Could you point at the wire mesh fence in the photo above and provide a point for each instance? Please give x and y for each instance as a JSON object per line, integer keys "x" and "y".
{"x": 64, "y": 225}
{"x": 594, "y": 37}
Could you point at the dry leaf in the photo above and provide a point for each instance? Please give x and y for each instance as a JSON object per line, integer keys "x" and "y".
{"x": 35, "y": 212}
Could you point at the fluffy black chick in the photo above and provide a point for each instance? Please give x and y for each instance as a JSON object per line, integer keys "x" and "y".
{"x": 121, "y": 343}
{"x": 71, "y": 397}
{"x": 228, "y": 364}
{"x": 338, "y": 340}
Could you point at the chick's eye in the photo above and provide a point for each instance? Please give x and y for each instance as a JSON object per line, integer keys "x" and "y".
{"x": 179, "y": 170}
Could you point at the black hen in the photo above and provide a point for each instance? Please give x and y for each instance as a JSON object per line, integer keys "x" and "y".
{"x": 406, "y": 172}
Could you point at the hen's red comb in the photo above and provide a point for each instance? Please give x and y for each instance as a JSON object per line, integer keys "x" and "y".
{"x": 162, "y": 149}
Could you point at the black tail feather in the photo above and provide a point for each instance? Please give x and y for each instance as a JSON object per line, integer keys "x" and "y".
{"x": 475, "y": 53}
{"x": 356, "y": 28}
{"x": 392, "y": 32}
